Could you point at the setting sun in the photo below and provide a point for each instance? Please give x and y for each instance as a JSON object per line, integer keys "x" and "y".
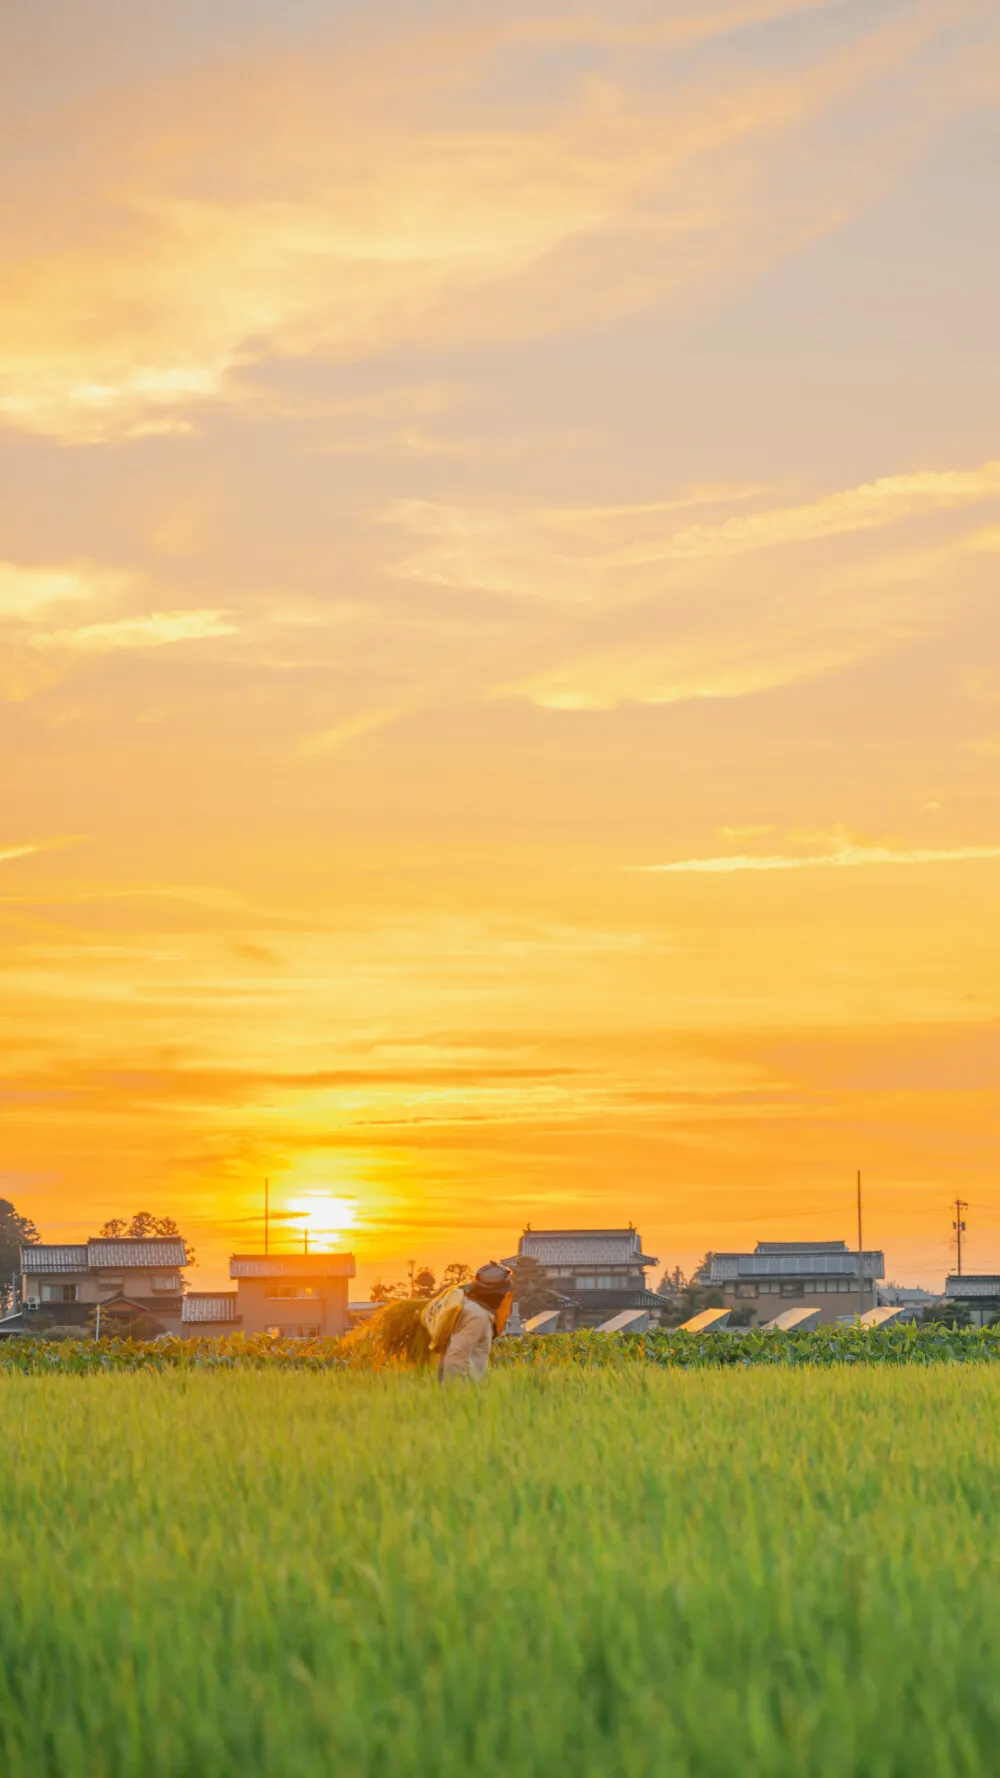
{"x": 325, "y": 1219}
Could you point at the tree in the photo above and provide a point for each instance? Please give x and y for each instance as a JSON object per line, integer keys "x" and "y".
{"x": 424, "y": 1284}
{"x": 387, "y": 1293}
{"x": 947, "y": 1315}
{"x": 672, "y": 1284}
{"x": 16, "y": 1231}
{"x": 532, "y": 1289}
{"x": 456, "y": 1273}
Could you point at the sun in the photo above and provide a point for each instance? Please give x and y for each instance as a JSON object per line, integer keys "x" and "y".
{"x": 326, "y": 1218}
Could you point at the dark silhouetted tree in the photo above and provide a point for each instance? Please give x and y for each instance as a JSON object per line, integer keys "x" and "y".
{"x": 532, "y": 1290}
{"x": 16, "y": 1231}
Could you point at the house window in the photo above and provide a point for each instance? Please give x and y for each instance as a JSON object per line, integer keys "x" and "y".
{"x": 585, "y": 1281}
{"x": 59, "y": 1293}
{"x": 607, "y": 1281}
{"x": 113, "y": 1284}
{"x": 296, "y": 1292}
{"x": 746, "y": 1290}
{"x": 166, "y": 1283}
{"x": 791, "y": 1287}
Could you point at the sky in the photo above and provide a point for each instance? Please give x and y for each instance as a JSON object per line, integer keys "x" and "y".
{"x": 499, "y": 622}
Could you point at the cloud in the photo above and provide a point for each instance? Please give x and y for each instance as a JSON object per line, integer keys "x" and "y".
{"x": 29, "y": 848}
{"x": 844, "y": 858}
{"x": 335, "y": 739}
{"x": 26, "y": 590}
{"x": 157, "y": 629}
{"x": 341, "y": 202}
{"x": 723, "y": 616}
{"x": 868, "y": 507}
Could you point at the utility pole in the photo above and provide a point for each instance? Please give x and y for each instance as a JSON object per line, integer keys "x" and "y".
{"x": 861, "y": 1255}
{"x": 306, "y": 1234}
{"x": 267, "y": 1213}
{"x": 413, "y": 1267}
{"x": 959, "y": 1227}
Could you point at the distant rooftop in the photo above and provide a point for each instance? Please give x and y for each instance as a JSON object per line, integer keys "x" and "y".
{"x": 801, "y": 1247}
{"x": 100, "y": 1255}
{"x": 584, "y": 1247}
{"x": 291, "y": 1265}
{"x": 202, "y": 1306}
{"x": 972, "y": 1284}
{"x": 796, "y": 1259}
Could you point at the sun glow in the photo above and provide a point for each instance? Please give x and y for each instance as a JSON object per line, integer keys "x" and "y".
{"x": 325, "y": 1219}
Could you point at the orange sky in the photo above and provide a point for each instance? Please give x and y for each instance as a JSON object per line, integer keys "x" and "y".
{"x": 499, "y": 547}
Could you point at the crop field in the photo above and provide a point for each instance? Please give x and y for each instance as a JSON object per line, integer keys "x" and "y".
{"x": 574, "y": 1572}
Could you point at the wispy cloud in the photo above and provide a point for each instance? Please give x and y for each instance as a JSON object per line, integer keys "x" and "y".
{"x": 203, "y": 255}
{"x": 29, "y": 848}
{"x": 157, "y": 629}
{"x": 864, "y": 508}
{"x": 845, "y": 858}
{"x": 26, "y": 589}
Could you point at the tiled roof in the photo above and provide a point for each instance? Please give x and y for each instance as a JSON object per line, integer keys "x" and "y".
{"x": 291, "y": 1265}
{"x": 584, "y": 1247}
{"x": 42, "y": 1258}
{"x": 801, "y": 1247}
{"x": 198, "y": 1305}
{"x": 165, "y": 1251}
{"x": 611, "y": 1301}
{"x": 973, "y": 1284}
{"x": 824, "y": 1261}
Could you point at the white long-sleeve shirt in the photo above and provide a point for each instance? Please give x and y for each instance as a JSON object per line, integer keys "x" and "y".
{"x": 468, "y": 1353}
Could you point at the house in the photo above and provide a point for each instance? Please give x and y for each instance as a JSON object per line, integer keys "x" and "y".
{"x": 292, "y": 1294}
{"x": 781, "y": 1275}
{"x": 136, "y": 1283}
{"x": 208, "y": 1315}
{"x": 600, "y": 1272}
{"x": 979, "y": 1292}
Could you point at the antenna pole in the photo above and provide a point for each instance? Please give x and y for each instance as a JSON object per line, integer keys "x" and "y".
{"x": 861, "y": 1255}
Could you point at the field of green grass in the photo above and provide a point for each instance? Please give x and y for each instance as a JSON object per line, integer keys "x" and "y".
{"x": 605, "y": 1573}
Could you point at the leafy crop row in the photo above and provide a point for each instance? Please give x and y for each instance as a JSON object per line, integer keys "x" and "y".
{"x": 831, "y": 1346}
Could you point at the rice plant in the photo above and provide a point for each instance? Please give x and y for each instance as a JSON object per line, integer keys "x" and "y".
{"x": 637, "y": 1570}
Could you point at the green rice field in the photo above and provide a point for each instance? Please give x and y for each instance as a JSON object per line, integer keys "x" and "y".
{"x": 616, "y": 1573}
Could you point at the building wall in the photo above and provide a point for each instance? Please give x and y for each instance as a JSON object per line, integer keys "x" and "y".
{"x": 90, "y": 1288}
{"x": 98, "y": 1287}
{"x": 766, "y": 1301}
{"x": 324, "y": 1311}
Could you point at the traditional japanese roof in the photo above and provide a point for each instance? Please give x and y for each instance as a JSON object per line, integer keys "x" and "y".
{"x": 611, "y": 1302}
{"x": 973, "y": 1284}
{"x": 201, "y": 1305}
{"x": 291, "y": 1265}
{"x": 42, "y": 1258}
{"x": 99, "y": 1255}
{"x": 163, "y": 1250}
{"x": 822, "y": 1259}
{"x": 583, "y": 1247}
{"x": 801, "y": 1247}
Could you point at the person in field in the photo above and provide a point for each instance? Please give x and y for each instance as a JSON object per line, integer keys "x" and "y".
{"x": 481, "y": 1318}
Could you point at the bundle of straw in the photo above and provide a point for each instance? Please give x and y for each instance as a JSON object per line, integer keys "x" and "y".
{"x": 395, "y": 1336}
